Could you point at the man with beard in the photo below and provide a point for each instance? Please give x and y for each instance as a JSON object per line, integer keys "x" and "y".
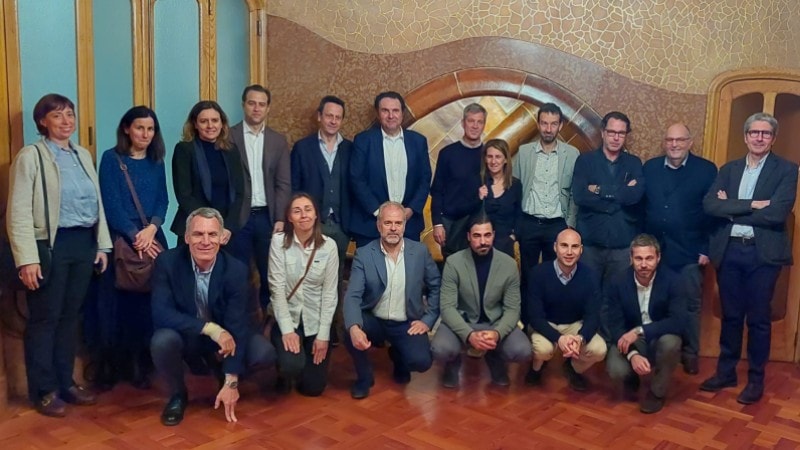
{"x": 480, "y": 307}
{"x": 456, "y": 181}
{"x": 544, "y": 167}
{"x": 564, "y": 304}
{"x": 384, "y": 301}
{"x": 646, "y": 314}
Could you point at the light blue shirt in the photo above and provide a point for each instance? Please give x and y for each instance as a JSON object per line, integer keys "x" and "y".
{"x": 201, "y": 282}
{"x": 746, "y": 188}
{"x": 79, "y": 205}
{"x": 564, "y": 278}
{"x": 330, "y": 157}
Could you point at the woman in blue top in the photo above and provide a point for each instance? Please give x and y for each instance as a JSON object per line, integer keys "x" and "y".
{"x": 141, "y": 148}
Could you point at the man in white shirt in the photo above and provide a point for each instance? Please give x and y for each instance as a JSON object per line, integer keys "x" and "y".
{"x": 267, "y": 183}
{"x": 646, "y": 319}
{"x": 384, "y": 301}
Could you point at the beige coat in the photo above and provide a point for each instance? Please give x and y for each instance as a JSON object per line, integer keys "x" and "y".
{"x": 25, "y": 215}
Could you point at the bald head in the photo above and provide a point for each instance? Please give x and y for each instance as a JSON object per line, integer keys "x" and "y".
{"x": 568, "y": 249}
{"x": 677, "y": 143}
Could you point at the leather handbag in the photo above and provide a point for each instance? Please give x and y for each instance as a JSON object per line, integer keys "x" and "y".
{"x": 131, "y": 272}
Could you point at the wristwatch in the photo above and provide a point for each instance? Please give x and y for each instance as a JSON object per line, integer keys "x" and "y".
{"x": 233, "y": 384}
{"x": 639, "y": 331}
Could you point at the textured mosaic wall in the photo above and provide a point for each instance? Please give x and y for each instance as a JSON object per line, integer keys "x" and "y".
{"x": 678, "y": 45}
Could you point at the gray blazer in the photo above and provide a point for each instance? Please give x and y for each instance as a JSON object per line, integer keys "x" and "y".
{"x": 368, "y": 282}
{"x": 524, "y": 167}
{"x": 777, "y": 183}
{"x": 277, "y": 173}
{"x": 459, "y": 298}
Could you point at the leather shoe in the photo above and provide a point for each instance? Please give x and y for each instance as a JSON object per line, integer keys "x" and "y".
{"x": 360, "y": 389}
{"x": 533, "y": 377}
{"x": 173, "y": 412}
{"x": 52, "y": 406}
{"x": 651, "y": 403}
{"x": 691, "y": 365}
{"x": 79, "y": 395}
{"x": 450, "y": 375}
{"x": 715, "y": 384}
{"x": 577, "y": 382}
{"x": 751, "y": 394}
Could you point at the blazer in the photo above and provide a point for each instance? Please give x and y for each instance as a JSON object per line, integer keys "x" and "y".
{"x": 277, "y": 175}
{"x": 191, "y": 181}
{"x": 368, "y": 282}
{"x": 173, "y": 299}
{"x": 777, "y": 183}
{"x": 524, "y": 168}
{"x": 309, "y": 171}
{"x": 667, "y": 308}
{"x": 368, "y": 181}
{"x": 459, "y": 298}
{"x": 25, "y": 213}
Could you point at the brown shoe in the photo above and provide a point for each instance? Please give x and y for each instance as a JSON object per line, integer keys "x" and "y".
{"x": 79, "y": 395}
{"x": 52, "y": 406}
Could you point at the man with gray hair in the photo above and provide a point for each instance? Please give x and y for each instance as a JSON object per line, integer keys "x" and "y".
{"x": 456, "y": 181}
{"x": 199, "y": 303}
{"x": 752, "y": 196}
{"x": 384, "y": 301}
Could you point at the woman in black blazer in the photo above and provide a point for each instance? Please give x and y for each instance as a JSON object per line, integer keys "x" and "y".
{"x": 207, "y": 169}
{"x": 501, "y": 194}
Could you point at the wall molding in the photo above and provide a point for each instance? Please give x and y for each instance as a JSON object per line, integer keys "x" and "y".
{"x": 84, "y": 39}
{"x": 208, "y": 49}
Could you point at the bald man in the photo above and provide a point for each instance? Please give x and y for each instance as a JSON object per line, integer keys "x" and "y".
{"x": 676, "y": 184}
{"x": 564, "y": 305}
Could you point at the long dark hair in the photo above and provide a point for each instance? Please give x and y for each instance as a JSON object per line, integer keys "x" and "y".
{"x": 190, "y": 132}
{"x": 288, "y": 227}
{"x": 155, "y": 150}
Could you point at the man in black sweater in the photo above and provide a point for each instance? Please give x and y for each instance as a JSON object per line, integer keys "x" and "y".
{"x": 454, "y": 192}
{"x": 676, "y": 185}
{"x": 564, "y": 304}
{"x": 646, "y": 315}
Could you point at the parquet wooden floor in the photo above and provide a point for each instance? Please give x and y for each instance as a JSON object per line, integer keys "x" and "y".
{"x": 422, "y": 415}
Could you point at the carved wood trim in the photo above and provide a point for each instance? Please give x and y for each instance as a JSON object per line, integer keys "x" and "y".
{"x": 208, "y": 49}
{"x": 84, "y": 39}
{"x": 142, "y": 15}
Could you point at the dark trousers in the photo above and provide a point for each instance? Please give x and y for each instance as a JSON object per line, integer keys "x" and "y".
{"x": 170, "y": 348}
{"x": 663, "y": 355}
{"x": 535, "y": 237}
{"x": 606, "y": 262}
{"x": 746, "y": 287}
{"x": 334, "y": 231}
{"x": 252, "y": 241}
{"x": 311, "y": 378}
{"x": 692, "y": 276}
{"x": 412, "y": 353}
{"x": 51, "y": 333}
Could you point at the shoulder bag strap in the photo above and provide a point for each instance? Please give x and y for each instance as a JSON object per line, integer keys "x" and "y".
{"x": 44, "y": 192}
{"x": 300, "y": 281}
{"x": 124, "y": 170}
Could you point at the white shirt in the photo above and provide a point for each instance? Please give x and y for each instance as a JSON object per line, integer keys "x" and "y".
{"x": 396, "y": 165}
{"x": 330, "y": 156}
{"x": 643, "y": 292}
{"x": 315, "y": 300}
{"x": 254, "y": 147}
{"x": 392, "y": 304}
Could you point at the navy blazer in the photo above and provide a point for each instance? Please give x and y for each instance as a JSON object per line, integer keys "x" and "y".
{"x": 309, "y": 171}
{"x": 368, "y": 181}
{"x": 667, "y": 307}
{"x": 191, "y": 181}
{"x": 173, "y": 299}
{"x": 776, "y": 183}
{"x": 368, "y": 282}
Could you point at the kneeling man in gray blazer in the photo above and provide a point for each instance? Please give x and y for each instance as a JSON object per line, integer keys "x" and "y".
{"x": 480, "y": 305}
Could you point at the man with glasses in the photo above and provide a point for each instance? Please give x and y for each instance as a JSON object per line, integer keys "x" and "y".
{"x": 753, "y": 196}
{"x": 607, "y": 186}
{"x": 676, "y": 184}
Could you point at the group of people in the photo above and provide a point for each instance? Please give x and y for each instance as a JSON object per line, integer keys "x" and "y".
{"x": 591, "y": 283}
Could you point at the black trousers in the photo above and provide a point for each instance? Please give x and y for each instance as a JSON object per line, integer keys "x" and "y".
{"x": 51, "y": 334}
{"x": 311, "y": 378}
{"x": 252, "y": 241}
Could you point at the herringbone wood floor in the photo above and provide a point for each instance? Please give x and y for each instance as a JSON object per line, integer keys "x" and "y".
{"x": 424, "y": 415}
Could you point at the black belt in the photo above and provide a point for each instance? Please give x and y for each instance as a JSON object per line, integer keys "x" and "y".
{"x": 742, "y": 240}
{"x": 259, "y": 210}
{"x": 542, "y": 220}
{"x": 69, "y": 229}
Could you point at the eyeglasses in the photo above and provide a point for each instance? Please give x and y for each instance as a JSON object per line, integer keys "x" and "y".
{"x": 680, "y": 140}
{"x": 766, "y": 134}
{"x": 613, "y": 133}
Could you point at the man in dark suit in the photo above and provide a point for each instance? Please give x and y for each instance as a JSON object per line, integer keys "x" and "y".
{"x": 646, "y": 314}
{"x": 480, "y": 304}
{"x": 676, "y": 184}
{"x": 199, "y": 313}
{"x": 753, "y": 196}
{"x": 384, "y": 301}
{"x": 388, "y": 163}
{"x": 267, "y": 183}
